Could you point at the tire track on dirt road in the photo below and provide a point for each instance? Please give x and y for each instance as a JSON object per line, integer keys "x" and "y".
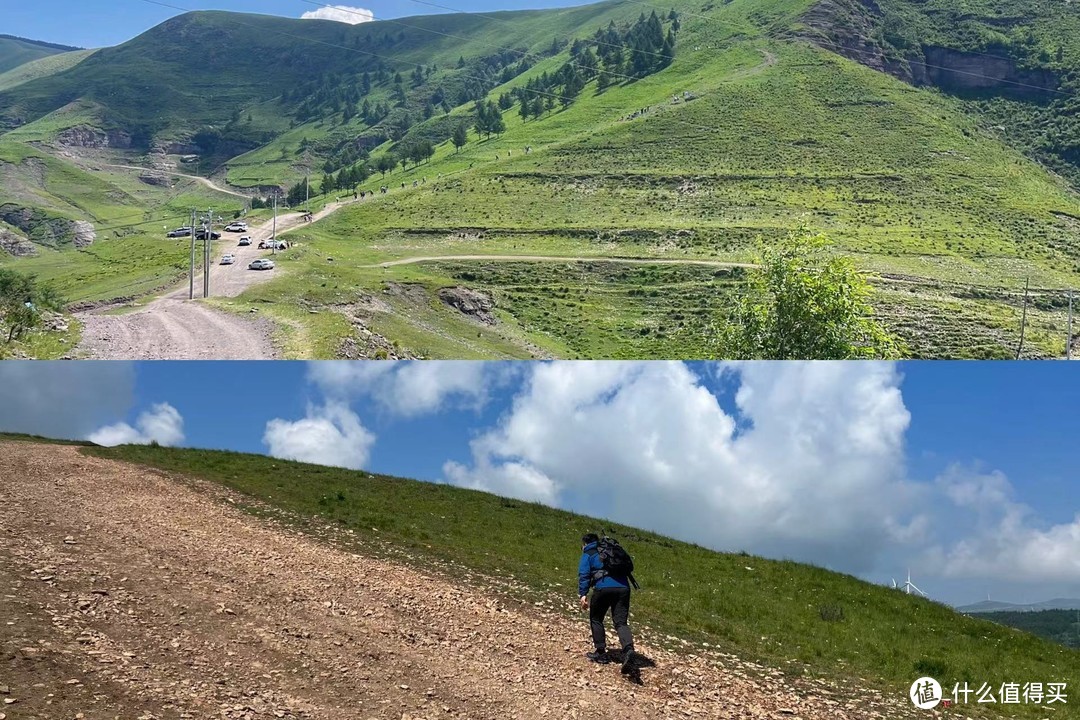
{"x": 159, "y": 598}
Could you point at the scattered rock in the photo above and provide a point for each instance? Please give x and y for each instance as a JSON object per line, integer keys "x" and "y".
{"x": 470, "y": 302}
{"x": 15, "y": 244}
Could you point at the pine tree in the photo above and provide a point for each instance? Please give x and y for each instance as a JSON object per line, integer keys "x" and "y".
{"x": 497, "y": 124}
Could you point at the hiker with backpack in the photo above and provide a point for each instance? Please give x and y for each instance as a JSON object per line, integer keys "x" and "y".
{"x": 608, "y": 570}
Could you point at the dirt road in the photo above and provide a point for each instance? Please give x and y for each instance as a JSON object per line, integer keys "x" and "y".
{"x": 205, "y": 181}
{"x": 174, "y": 328}
{"x": 131, "y": 594}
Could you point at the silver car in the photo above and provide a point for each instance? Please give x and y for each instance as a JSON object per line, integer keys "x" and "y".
{"x": 262, "y": 264}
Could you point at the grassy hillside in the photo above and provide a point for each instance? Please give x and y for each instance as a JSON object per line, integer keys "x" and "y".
{"x": 42, "y": 67}
{"x": 746, "y": 134}
{"x": 16, "y": 51}
{"x": 781, "y": 613}
{"x": 1060, "y": 626}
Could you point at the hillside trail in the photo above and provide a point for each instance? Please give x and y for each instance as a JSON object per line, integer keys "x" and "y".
{"x": 134, "y": 593}
{"x": 172, "y": 327}
{"x": 561, "y": 258}
{"x": 203, "y": 180}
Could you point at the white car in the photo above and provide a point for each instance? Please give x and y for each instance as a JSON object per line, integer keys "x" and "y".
{"x": 245, "y": 239}
{"x": 236, "y": 227}
{"x": 262, "y": 264}
{"x": 228, "y": 259}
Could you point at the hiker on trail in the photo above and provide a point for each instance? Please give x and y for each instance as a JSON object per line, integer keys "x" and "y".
{"x": 608, "y": 571}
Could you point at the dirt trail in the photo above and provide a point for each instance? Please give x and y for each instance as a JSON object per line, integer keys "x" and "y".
{"x": 205, "y": 181}
{"x": 133, "y": 594}
{"x": 562, "y": 258}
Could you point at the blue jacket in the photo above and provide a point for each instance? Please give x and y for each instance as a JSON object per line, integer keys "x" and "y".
{"x": 590, "y": 562}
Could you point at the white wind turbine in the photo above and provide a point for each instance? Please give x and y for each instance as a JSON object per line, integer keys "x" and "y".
{"x": 909, "y": 586}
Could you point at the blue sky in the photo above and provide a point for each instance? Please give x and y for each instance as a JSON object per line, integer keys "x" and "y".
{"x": 99, "y": 23}
{"x": 963, "y": 471}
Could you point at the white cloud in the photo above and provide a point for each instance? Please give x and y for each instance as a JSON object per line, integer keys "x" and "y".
{"x": 63, "y": 399}
{"x": 1006, "y": 539}
{"x": 162, "y": 424}
{"x": 817, "y": 475}
{"x": 331, "y": 434}
{"x": 340, "y": 13}
{"x": 411, "y": 388}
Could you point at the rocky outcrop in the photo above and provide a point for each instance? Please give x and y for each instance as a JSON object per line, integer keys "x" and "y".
{"x": 470, "y": 302}
{"x": 84, "y": 233}
{"x": 15, "y": 244}
{"x": 956, "y": 71}
{"x": 852, "y": 28}
{"x": 90, "y": 137}
{"x": 155, "y": 179}
{"x": 43, "y": 229}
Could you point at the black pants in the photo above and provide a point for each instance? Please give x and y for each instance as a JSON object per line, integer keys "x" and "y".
{"x": 617, "y": 600}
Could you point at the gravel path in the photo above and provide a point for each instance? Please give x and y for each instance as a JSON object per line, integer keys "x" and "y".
{"x": 129, "y": 593}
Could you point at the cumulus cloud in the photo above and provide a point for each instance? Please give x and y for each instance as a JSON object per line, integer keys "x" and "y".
{"x": 1006, "y": 539}
{"x": 412, "y": 388}
{"x": 162, "y": 424}
{"x": 340, "y": 13}
{"x": 811, "y": 468}
{"x": 331, "y": 434}
{"x": 63, "y": 399}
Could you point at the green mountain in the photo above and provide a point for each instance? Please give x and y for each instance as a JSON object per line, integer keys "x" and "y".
{"x": 933, "y": 143}
{"x": 15, "y": 51}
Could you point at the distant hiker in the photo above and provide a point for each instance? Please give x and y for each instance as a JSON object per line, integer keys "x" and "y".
{"x": 608, "y": 570}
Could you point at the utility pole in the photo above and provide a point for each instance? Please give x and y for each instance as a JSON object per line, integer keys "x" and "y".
{"x": 273, "y": 233}
{"x": 208, "y": 227}
{"x": 1069, "y": 340}
{"x": 191, "y": 275}
{"x": 1023, "y": 319}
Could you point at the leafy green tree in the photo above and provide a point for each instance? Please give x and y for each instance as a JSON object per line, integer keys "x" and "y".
{"x": 460, "y": 137}
{"x": 22, "y": 299}
{"x": 803, "y": 304}
{"x": 327, "y": 185}
{"x": 385, "y": 163}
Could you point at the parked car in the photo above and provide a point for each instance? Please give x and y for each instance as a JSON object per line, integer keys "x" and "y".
{"x": 228, "y": 259}
{"x": 179, "y": 232}
{"x": 245, "y": 239}
{"x": 262, "y": 264}
{"x": 236, "y": 227}
{"x": 201, "y": 235}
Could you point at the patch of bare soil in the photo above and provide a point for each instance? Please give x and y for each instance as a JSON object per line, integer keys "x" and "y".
{"x": 128, "y": 593}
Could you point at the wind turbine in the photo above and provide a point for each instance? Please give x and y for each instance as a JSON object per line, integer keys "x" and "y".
{"x": 909, "y": 586}
{"x": 894, "y": 583}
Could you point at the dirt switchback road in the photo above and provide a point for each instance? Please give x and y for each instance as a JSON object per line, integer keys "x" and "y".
{"x": 127, "y": 593}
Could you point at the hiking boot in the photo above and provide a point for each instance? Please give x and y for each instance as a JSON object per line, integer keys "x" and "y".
{"x": 628, "y": 661}
{"x": 599, "y": 656}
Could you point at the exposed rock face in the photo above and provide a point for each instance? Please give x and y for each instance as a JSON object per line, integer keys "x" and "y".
{"x": 84, "y": 233}
{"x": 16, "y": 244}
{"x": 470, "y": 302}
{"x": 959, "y": 71}
{"x": 849, "y": 27}
{"x": 90, "y": 137}
{"x": 155, "y": 179}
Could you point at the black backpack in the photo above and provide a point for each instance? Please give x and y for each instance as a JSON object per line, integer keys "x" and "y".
{"x": 614, "y": 560}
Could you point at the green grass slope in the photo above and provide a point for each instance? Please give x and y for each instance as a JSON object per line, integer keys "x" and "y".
{"x": 1060, "y": 626}
{"x": 42, "y": 67}
{"x": 765, "y": 610}
{"x": 913, "y": 178}
{"x": 782, "y": 136}
{"x": 15, "y": 51}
